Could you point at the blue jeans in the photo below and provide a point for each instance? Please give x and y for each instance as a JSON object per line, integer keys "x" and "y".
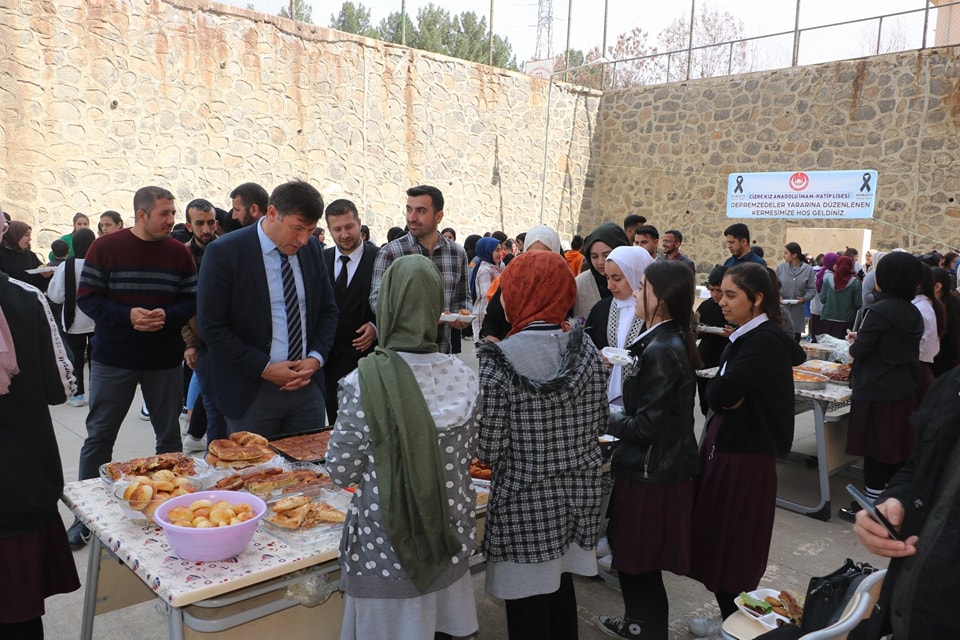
{"x": 216, "y": 423}
{"x": 111, "y": 391}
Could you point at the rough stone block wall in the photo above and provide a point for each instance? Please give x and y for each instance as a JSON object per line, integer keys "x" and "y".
{"x": 665, "y": 152}
{"x": 101, "y": 97}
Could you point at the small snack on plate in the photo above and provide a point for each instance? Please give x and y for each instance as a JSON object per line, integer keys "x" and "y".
{"x": 206, "y": 514}
{"x": 241, "y": 450}
{"x": 169, "y": 465}
{"x": 479, "y": 470}
{"x": 764, "y": 606}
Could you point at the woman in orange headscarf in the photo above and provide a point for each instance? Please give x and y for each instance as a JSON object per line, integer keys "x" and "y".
{"x": 544, "y": 406}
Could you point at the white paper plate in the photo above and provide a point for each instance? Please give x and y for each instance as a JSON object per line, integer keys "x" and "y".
{"x": 769, "y": 620}
{"x": 717, "y": 331}
{"x": 613, "y": 355}
{"x": 457, "y": 317}
{"x": 790, "y": 301}
{"x": 41, "y": 270}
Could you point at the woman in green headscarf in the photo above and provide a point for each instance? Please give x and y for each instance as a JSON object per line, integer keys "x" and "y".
{"x": 404, "y": 436}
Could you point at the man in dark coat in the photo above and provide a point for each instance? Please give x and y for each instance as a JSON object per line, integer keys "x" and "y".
{"x": 350, "y": 266}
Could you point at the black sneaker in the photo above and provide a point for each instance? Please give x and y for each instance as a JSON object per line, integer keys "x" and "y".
{"x": 849, "y": 514}
{"x": 619, "y": 627}
{"x": 78, "y": 535}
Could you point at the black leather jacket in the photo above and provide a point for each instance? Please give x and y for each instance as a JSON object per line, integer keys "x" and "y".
{"x": 656, "y": 427}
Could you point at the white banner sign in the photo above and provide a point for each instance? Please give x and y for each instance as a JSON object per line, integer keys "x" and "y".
{"x": 802, "y": 194}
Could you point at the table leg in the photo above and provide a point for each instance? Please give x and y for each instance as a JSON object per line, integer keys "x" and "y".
{"x": 174, "y": 617}
{"x": 820, "y": 511}
{"x": 90, "y": 589}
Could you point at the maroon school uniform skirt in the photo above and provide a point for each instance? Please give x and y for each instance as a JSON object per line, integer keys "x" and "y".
{"x": 649, "y": 526}
{"x": 33, "y": 566}
{"x": 881, "y": 429}
{"x": 736, "y": 496}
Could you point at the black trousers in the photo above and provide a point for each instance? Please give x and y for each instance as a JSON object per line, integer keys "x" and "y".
{"x": 550, "y": 616}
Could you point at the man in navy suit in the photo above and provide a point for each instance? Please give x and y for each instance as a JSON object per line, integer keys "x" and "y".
{"x": 268, "y": 317}
{"x": 350, "y": 267}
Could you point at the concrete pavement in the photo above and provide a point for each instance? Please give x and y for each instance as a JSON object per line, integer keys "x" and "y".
{"x": 801, "y": 547}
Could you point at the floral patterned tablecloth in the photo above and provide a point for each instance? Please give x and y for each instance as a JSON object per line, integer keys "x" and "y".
{"x": 144, "y": 549}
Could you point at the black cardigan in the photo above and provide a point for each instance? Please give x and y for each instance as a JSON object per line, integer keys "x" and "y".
{"x": 759, "y": 371}
{"x": 35, "y": 467}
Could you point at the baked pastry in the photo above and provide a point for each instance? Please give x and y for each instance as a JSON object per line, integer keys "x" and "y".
{"x": 290, "y": 502}
{"x": 231, "y": 451}
{"x": 290, "y": 519}
{"x": 230, "y": 483}
{"x": 249, "y": 439}
{"x": 321, "y": 512}
{"x": 263, "y": 486}
{"x": 310, "y": 446}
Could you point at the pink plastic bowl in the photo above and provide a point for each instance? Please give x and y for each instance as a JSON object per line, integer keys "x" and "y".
{"x": 210, "y": 545}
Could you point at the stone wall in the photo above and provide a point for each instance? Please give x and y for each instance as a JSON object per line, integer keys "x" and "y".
{"x": 101, "y": 97}
{"x": 666, "y": 151}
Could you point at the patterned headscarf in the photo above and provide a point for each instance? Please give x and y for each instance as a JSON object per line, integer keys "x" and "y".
{"x": 537, "y": 286}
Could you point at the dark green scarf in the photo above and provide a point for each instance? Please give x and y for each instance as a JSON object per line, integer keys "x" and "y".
{"x": 406, "y": 452}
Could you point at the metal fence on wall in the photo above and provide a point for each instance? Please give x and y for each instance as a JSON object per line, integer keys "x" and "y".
{"x": 936, "y": 24}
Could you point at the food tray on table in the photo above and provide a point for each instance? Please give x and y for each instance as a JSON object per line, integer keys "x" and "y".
{"x": 243, "y": 450}
{"x": 837, "y": 372}
{"x": 306, "y": 446}
{"x": 808, "y": 381}
{"x": 306, "y": 518}
{"x": 279, "y": 479}
{"x": 178, "y": 463}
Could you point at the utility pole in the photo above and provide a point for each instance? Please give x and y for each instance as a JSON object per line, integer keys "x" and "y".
{"x": 403, "y": 22}
{"x": 490, "y": 61}
{"x": 544, "y": 29}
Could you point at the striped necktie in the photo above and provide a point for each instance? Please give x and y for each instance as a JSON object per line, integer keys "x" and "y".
{"x": 292, "y": 303}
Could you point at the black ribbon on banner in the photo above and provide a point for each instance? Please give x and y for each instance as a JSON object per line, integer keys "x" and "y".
{"x": 866, "y": 183}
{"x": 739, "y": 187}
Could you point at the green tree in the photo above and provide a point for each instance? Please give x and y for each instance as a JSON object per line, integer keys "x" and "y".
{"x": 301, "y": 11}
{"x": 465, "y": 36}
{"x": 354, "y": 19}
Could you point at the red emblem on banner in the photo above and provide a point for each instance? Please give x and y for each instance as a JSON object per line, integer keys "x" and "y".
{"x": 799, "y": 181}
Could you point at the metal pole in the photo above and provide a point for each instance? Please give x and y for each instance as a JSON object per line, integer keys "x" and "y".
{"x": 566, "y": 53}
{"x": 546, "y": 141}
{"x": 796, "y": 36}
{"x": 879, "y": 34}
{"x": 491, "y": 33}
{"x": 292, "y": 16}
{"x": 693, "y": 13}
{"x": 403, "y": 22}
{"x": 926, "y": 22}
{"x": 603, "y": 46}
{"x": 730, "y": 61}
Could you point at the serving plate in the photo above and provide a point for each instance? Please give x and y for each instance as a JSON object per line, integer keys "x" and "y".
{"x": 770, "y": 620}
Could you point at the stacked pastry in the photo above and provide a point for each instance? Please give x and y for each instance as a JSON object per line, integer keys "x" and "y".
{"x": 242, "y": 450}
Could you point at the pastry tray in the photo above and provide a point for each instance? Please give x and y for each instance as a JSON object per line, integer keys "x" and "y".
{"x": 311, "y": 537}
{"x": 291, "y": 458}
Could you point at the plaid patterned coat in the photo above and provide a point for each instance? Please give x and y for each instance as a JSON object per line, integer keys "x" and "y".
{"x": 540, "y": 438}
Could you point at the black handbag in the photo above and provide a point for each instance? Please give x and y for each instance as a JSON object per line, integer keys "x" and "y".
{"x": 828, "y": 595}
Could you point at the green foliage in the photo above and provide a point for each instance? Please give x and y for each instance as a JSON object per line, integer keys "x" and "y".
{"x": 301, "y": 11}
{"x": 465, "y": 36}
{"x": 354, "y": 19}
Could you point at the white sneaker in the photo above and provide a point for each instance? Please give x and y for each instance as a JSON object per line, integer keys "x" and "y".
{"x": 77, "y": 401}
{"x": 705, "y": 627}
{"x": 603, "y": 547}
{"x": 193, "y": 445}
{"x": 606, "y": 562}
{"x": 144, "y": 414}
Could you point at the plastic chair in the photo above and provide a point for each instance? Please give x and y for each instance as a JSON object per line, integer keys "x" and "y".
{"x": 859, "y": 608}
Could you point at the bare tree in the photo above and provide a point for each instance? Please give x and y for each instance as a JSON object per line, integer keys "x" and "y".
{"x": 716, "y": 51}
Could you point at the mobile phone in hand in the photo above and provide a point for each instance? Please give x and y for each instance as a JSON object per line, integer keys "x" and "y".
{"x": 869, "y": 507}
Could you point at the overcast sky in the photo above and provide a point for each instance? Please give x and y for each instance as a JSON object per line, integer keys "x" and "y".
{"x": 517, "y": 19}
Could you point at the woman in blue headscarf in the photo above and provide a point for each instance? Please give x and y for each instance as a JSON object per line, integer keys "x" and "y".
{"x": 485, "y": 272}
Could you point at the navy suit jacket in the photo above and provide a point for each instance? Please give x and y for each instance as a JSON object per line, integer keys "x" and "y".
{"x": 233, "y": 315}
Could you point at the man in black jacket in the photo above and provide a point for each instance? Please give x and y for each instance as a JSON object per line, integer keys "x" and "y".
{"x": 350, "y": 265}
